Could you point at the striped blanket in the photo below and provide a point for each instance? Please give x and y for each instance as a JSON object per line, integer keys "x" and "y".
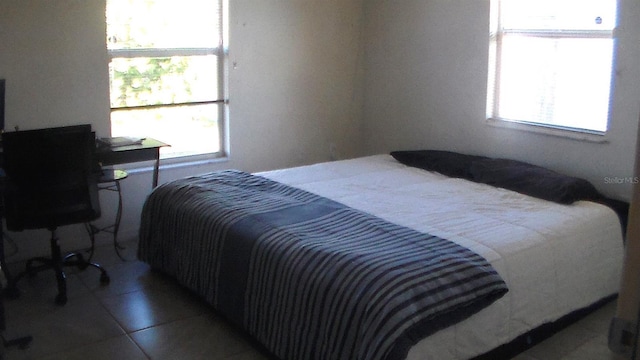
{"x": 306, "y": 276}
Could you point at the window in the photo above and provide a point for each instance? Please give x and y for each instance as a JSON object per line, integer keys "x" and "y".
{"x": 167, "y": 73}
{"x": 551, "y": 63}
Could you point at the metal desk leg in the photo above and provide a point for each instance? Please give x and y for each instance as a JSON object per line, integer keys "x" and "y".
{"x": 156, "y": 167}
{"x": 112, "y": 184}
{"x": 116, "y": 225}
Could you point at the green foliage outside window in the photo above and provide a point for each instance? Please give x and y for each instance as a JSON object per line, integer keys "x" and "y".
{"x": 150, "y": 83}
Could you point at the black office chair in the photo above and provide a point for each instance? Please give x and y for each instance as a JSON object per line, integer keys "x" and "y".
{"x": 51, "y": 182}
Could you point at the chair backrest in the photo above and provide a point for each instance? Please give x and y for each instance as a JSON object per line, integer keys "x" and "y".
{"x": 50, "y": 177}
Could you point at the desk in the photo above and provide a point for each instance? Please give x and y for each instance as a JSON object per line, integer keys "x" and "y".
{"x": 149, "y": 149}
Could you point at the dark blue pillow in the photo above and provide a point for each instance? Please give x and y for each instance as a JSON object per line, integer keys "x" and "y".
{"x": 445, "y": 162}
{"x": 532, "y": 180}
{"x": 509, "y": 174}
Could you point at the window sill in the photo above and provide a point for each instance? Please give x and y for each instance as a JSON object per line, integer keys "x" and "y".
{"x": 194, "y": 160}
{"x": 173, "y": 163}
{"x": 593, "y": 137}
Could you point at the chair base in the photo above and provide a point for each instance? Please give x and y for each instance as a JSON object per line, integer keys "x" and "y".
{"x": 57, "y": 263}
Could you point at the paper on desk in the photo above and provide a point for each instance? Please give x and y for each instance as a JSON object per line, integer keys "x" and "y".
{"x": 121, "y": 141}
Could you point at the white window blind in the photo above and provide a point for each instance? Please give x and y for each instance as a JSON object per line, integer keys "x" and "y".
{"x": 167, "y": 72}
{"x": 551, "y": 62}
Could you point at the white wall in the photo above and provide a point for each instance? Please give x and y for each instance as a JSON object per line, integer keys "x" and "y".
{"x": 295, "y": 87}
{"x": 425, "y": 87}
{"x": 295, "y": 80}
{"x": 53, "y": 56}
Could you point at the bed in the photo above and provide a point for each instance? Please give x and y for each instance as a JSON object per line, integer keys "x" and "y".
{"x": 540, "y": 260}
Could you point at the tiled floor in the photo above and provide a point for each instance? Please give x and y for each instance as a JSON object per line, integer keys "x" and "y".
{"x": 142, "y": 315}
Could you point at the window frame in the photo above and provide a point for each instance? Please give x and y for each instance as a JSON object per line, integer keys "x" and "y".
{"x": 221, "y": 52}
{"x": 496, "y": 36}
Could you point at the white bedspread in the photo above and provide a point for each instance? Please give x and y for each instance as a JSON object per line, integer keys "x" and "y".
{"x": 554, "y": 258}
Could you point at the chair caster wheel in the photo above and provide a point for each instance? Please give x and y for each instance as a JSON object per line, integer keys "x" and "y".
{"x": 61, "y": 299}
{"x": 105, "y": 279}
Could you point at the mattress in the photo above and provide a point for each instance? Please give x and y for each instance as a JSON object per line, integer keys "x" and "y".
{"x": 554, "y": 258}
